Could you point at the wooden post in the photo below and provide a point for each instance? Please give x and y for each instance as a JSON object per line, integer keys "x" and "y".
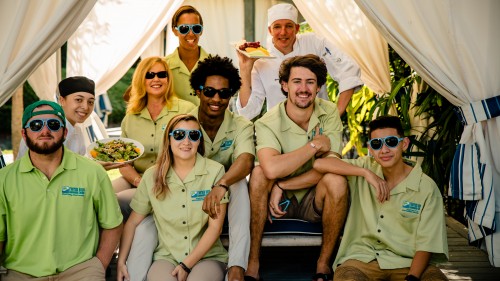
{"x": 16, "y": 120}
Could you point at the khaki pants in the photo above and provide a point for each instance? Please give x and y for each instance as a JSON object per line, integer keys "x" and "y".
{"x": 90, "y": 270}
{"x": 205, "y": 270}
{"x": 354, "y": 270}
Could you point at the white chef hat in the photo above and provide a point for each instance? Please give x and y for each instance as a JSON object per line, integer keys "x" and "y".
{"x": 280, "y": 12}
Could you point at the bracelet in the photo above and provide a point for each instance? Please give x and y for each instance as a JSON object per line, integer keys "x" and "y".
{"x": 185, "y": 267}
{"x": 137, "y": 180}
{"x": 314, "y": 146}
{"x": 221, "y": 185}
{"x": 410, "y": 277}
{"x": 278, "y": 185}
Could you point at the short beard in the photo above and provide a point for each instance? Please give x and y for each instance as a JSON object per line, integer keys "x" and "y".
{"x": 44, "y": 149}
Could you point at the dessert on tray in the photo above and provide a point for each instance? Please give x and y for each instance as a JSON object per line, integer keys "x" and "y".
{"x": 252, "y": 49}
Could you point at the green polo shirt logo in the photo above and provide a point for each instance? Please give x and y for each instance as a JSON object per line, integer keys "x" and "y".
{"x": 73, "y": 191}
{"x": 226, "y": 144}
{"x": 199, "y": 195}
{"x": 411, "y": 207}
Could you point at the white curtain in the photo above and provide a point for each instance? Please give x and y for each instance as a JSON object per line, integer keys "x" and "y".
{"x": 45, "y": 79}
{"x": 30, "y": 32}
{"x": 453, "y": 45}
{"x": 342, "y": 23}
{"x": 113, "y": 36}
{"x": 222, "y": 24}
{"x": 157, "y": 47}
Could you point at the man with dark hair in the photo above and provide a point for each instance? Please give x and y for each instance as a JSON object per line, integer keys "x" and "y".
{"x": 386, "y": 239}
{"x": 290, "y": 137}
{"x": 229, "y": 141}
{"x": 59, "y": 216}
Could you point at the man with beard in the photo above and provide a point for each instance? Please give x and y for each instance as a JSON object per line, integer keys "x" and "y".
{"x": 59, "y": 216}
{"x": 289, "y": 138}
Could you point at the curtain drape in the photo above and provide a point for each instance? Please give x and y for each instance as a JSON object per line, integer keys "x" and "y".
{"x": 342, "y": 23}
{"x": 453, "y": 45}
{"x": 30, "y": 32}
{"x": 113, "y": 36}
{"x": 44, "y": 80}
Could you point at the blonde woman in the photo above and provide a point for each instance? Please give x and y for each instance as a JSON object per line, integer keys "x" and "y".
{"x": 173, "y": 191}
{"x": 151, "y": 106}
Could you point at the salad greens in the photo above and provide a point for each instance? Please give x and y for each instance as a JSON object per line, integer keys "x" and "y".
{"x": 115, "y": 151}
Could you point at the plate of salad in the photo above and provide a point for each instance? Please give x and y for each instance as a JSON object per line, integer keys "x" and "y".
{"x": 115, "y": 150}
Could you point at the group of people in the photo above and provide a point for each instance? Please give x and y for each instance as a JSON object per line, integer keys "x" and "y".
{"x": 62, "y": 218}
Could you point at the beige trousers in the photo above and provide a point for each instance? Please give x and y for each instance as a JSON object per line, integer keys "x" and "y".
{"x": 91, "y": 270}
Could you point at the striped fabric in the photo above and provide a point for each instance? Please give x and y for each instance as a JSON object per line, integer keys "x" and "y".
{"x": 471, "y": 176}
{"x": 2, "y": 160}
{"x": 103, "y": 108}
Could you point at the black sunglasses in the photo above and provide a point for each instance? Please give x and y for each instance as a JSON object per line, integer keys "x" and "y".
{"x": 37, "y": 125}
{"x": 390, "y": 141}
{"x": 210, "y": 92}
{"x": 184, "y": 28}
{"x": 180, "y": 134}
{"x": 160, "y": 74}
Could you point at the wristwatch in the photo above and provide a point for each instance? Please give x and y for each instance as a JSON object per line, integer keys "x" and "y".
{"x": 410, "y": 277}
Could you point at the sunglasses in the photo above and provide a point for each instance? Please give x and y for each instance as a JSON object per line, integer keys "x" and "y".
{"x": 37, "y": 125}
{"x": 184, "y": 28}
{"x": 210, "y": 92}
{"x": 180, "y": 134}
{"x": 160, "y": 74}
{"x": 390, "y": 141}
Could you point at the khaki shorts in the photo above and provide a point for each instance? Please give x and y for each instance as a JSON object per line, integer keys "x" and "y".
{"x": 305, "y": 210}
{"x": 90, "y": 270}
{"x": 361, "y": 271}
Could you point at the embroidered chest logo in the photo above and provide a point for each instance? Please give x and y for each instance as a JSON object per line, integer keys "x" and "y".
{"x": 411, "y": 207}
{"x": 72, "y": 191}
{"x": 163, "y": 127}
{"x": 199, "y": 195}
{"x": 226, "y": 145}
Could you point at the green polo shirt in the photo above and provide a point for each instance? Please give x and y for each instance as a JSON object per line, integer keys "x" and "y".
{"x": 181, "y": 74}
{"x": 179, "y": 218}
{"x": 50, "y": 226}
{"x": 234, "y": 137}
{"x": 149, "y": 133}
{"x": 392, "y": 232}
{"x": 277, "y": 131}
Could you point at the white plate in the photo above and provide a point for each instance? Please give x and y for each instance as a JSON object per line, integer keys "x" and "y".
{"x": 236, "y": 46}
{"x": 94, "y": 144}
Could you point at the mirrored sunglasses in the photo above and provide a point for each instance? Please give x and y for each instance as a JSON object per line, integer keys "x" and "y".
{"x": 160, "y": 74}
{"x": 210, "y": 92}
{"x": 390, "y": 141}
{"x": 37, "y": 125}
{"x": 184, "y": 28}
{"x": 180, "y": 134}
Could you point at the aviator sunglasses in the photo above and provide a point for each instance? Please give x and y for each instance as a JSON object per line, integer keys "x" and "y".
{"x": 390, "y": 141}
{"x": 180, "y": 134}
{"x": 184, "y": 28}
{"x": 37, "y": 125}
{"x": 210, "y": 92}
{"x": 160, "y": 74}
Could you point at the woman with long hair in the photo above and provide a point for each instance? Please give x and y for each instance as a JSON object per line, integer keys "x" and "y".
{"x": 151, "y": 106}
{"x": 172, "y": 191}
